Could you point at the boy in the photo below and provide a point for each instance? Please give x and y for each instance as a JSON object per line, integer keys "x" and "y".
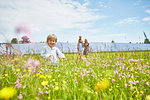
{"x": 52, "y": 53}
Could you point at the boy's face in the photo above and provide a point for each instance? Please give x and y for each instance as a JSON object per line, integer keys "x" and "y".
{"x": 52, "y": 42}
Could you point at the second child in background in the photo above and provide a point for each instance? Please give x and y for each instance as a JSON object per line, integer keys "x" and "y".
{"x": 86, "y": 48}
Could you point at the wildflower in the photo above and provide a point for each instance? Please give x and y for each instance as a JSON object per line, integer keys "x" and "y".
{"x": 18, "y": 85}
{"x": 113, "y": 80}
{"x": 48, "y": 98}
{"x": 24, "y": 70}
{"x": 49, "y": 76}
{"x": 59, "y": 75}
{"x": 110, "y": 89}
{"x": 20, "y": 96}
{"x": 147, "y": 83}
{"x": 6, "y": 74}
{"x": 64, "y": 82}
{"x": 56, "y": 88}
{"x": 44, "y": 83}
{"x": 42, "y": 76}
{"x": 102, "y": 85}
{"x": 24, "y": 86}
{"x": 7, "y": 92}
{"x": 46, "y": 92}
{"x": 32, "y": 65}
{"x": 147, "y": 97}
{"x": 37, "y": 74}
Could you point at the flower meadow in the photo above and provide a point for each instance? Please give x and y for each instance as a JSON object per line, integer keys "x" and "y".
{"x": 102, "y": 76}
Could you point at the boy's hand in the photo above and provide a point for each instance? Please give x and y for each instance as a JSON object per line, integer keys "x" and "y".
{"x": 50, "y": 56}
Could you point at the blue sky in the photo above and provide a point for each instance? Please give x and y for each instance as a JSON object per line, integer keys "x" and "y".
{"x": 97, "y": 20}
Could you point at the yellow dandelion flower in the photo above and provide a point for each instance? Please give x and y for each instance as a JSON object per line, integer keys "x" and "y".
{"x": 26, "y": 75}
{"x": 29, "y": 70}
{"x": 12, "y": 60}
{"x": 6, "y": 74}
{"x": 56, "y": 88}
{"x": 147, "y": 97}
{"x": 110, "y": 89}
{"x": 141, "y": 92}
{"x": 67, "y": 73}
{"x": 64, "y": 82}
{"x": 88, "y": 91}
{"x": 42, "y": 76}
{"x": 49, "y": 98}
{"x": 18, "y": 69}
{"x": 49, "y": 76}
{"x": 56, "y": 83}
{"x": 103, "y": 84}
{"x": 7, "y": 92}
{"x": 37, "y": 74}
{"x": 44, "y": 83}
{"x": 59, "y": 75}
{"x": 16, "y": 59}
{"x": 24, "y": 70}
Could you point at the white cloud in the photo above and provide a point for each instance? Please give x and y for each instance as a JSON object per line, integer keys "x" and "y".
{"x": 92, "y": 31}
{"x": 127, "y": 21}
{"x": 138, "y": 2}
{"x": 146, "y": 19}
{"x": 45, "y": 15}
{"x": 147, "y": 11}
{"x": 115, "y": 35}
{"x": 102, "y": 5}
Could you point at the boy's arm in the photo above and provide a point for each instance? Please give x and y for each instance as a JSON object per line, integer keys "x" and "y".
{"x": 60, "y": 54}
{"x": 44, "y": 53}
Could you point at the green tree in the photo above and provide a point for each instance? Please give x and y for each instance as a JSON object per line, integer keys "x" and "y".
{"x": 112, "y": 41}
{"x": 14, "y": 40}
{"x": 147, "y": 41}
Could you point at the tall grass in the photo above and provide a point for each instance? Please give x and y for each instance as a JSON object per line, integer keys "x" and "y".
{"x": 102, "y": 76}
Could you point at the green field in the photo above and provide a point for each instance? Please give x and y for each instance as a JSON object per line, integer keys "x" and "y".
{"x": 103, "y": 76}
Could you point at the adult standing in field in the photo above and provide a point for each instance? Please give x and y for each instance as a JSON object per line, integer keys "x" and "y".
{"x": 86, "y": 47}
{"x": 80, "y": 47}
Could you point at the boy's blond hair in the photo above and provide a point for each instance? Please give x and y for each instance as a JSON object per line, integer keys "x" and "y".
{"x": 51, "y": 36}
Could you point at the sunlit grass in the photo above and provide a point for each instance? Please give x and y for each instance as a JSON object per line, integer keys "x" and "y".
{"x": 107, "y": 76}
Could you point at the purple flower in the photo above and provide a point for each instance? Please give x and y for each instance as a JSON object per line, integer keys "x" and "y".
{"x": 139, "y": 68}
{"x": 18, "y": 85}
{"x": 32, "y": 64}
{"x": 46, "y": 92}
{"x": 20, "y": 96}
{"x": 115, "y": 72}
{"x": 126, "y": 85}
{"x": 113, "y": 80}
{"x": 122, "y": 67}
{"x": 147, "y": 83}
{"x": 24, "y": 86}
